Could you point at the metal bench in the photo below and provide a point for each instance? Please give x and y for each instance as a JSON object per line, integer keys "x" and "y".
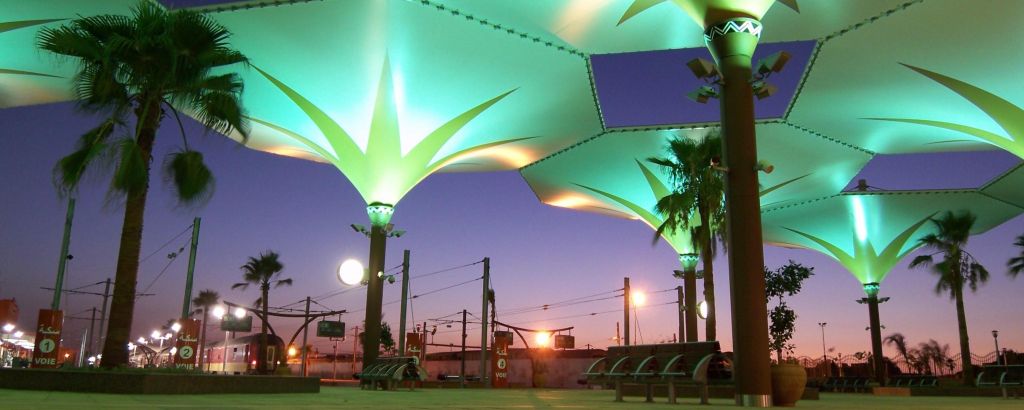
{"x": 672, "y": 364}
{"x": 388, "y": 372}
{"x": 1006, "y": 377}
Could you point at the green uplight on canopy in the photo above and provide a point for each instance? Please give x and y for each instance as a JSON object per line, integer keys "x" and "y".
{"x": 608, "y": 174}
{"x": 389, "y": 92}
{"x": 869, "y": 233}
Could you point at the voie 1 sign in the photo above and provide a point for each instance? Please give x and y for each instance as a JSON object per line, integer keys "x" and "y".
{"x": 47, "y": 348}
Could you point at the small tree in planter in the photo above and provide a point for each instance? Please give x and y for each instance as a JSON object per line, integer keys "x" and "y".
{"x": 788, "y": 380}
{"x": 780, "y": 283}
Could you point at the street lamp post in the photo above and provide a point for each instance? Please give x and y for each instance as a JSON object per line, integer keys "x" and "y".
{"x": 872, "y": 300}
{"x": 995, "y": 337}
{"x": 824, "y": 353}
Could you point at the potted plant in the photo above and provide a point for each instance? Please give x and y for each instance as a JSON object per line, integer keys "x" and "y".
{"x": 788, "y": 377}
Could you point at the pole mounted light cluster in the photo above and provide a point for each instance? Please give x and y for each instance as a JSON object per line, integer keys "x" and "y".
{"x": 707, "y": 70}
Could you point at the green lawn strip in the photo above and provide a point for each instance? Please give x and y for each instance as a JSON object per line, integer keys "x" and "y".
{"x": 450, "y": 399}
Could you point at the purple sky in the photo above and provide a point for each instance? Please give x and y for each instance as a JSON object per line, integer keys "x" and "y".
{"x": 649, "y": 87}
{"x": 539, "y": 254}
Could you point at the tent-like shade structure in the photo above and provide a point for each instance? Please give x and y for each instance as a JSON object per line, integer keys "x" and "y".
{"x": 391, "y": 91}
{"x": 386, "y": 91}
{"x": 27, "y": 75}
{"x": 942, "y": 81}
{"x": 609, "y": 174}
{"x": 870, "y": 232}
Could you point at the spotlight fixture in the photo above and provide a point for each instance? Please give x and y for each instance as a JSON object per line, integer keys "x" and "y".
{"x": 765, "y": 166}
{"x": 702, "y": 94}
{"x": 773, "y": 63}
{"x": 763, "y": 89}
{"x": 702, "y": 68}
{"x": 359, "y": 228}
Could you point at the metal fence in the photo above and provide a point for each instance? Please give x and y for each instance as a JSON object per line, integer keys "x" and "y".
{"x": 860, "y": 364}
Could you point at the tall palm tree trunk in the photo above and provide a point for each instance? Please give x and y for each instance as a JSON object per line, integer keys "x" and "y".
{"x": 122, "y": 304}
{"x": 202, "y": 337}
{"x": 965, "y": 344}
{"x": 709, "y": 274}
{"x": 261, "y": 356}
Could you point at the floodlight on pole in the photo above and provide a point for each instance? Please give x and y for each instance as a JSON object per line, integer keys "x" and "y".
{"x": 638, "y": 297}
{"x": 542, "y": 339}
{"x": 351, "y": 272}
{"x": 240, "y": 312}
{"x": 219, "y": 311}
{"x": 773, "y": 63}
{"x": 702, "y": 68}
{"x": 155, "y": 334}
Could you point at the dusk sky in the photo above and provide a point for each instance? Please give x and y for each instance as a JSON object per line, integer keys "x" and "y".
{"x": 539, "y": 254}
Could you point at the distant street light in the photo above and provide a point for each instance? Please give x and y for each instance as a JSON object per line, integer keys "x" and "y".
{"x": 995, "y": 336}
{"x": 176, "y": 327}
{"x": 351, "y": 272}
{"x": 542, "y": 339}
{"x": 18, "y": 334}
{"x": 219, "y": 311}
{"x": 240, "y": 312}
{"x": 638, "y": 297}
{"x": 8, "y": 328}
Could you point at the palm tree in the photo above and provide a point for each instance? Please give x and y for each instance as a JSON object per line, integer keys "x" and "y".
{"x": 956, "y": 268}
{"x": 900, "y": 343}
{"x": 1016, "y": 264}
{"x": 133, "y": 70}
{"x": 206, "y": 299}
{"x": 263, "y": 271}
{"x": 696, "y": 203}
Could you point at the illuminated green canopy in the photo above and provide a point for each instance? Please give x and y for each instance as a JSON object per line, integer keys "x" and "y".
{"x": 391, "y": 91}
{"x": 27, "y": 75}
{"x": 609, "y": 174}
{"x": 386, "y": 91}
{"x": 870, "y": 232}
{"x": 889, "y": 76}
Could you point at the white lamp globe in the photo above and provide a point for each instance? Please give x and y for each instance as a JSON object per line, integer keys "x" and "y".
{"x": 240, "y": 313}
{"x": 351, "y": 272}
{"x": 218, "y": 311}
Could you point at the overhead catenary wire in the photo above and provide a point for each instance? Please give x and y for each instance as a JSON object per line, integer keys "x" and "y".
{"x": 155, "y": 251}
{"x": 171, "y": 258}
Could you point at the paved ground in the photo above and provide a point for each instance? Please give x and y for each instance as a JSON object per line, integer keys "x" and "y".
{"x": 450, "y": 399}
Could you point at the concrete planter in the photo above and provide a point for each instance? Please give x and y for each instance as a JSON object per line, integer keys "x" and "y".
{"x": 129, "y": 382}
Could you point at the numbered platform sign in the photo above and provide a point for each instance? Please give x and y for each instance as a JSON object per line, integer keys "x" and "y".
{"x": 47, "y": 348}
{"x": 500, "y": 363}
{"x": 187, "y": 344}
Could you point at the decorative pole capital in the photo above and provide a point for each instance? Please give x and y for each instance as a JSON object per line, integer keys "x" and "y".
{"x": 689, "y": 260}
{"x": 380, "y": 213}
{"x": 871, "y": 289}
{"x": 735, "y": 36}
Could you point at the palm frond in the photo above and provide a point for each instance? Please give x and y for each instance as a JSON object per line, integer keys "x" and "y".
{"x": 192, "y": 179}
{"x": 283, "y": 282}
